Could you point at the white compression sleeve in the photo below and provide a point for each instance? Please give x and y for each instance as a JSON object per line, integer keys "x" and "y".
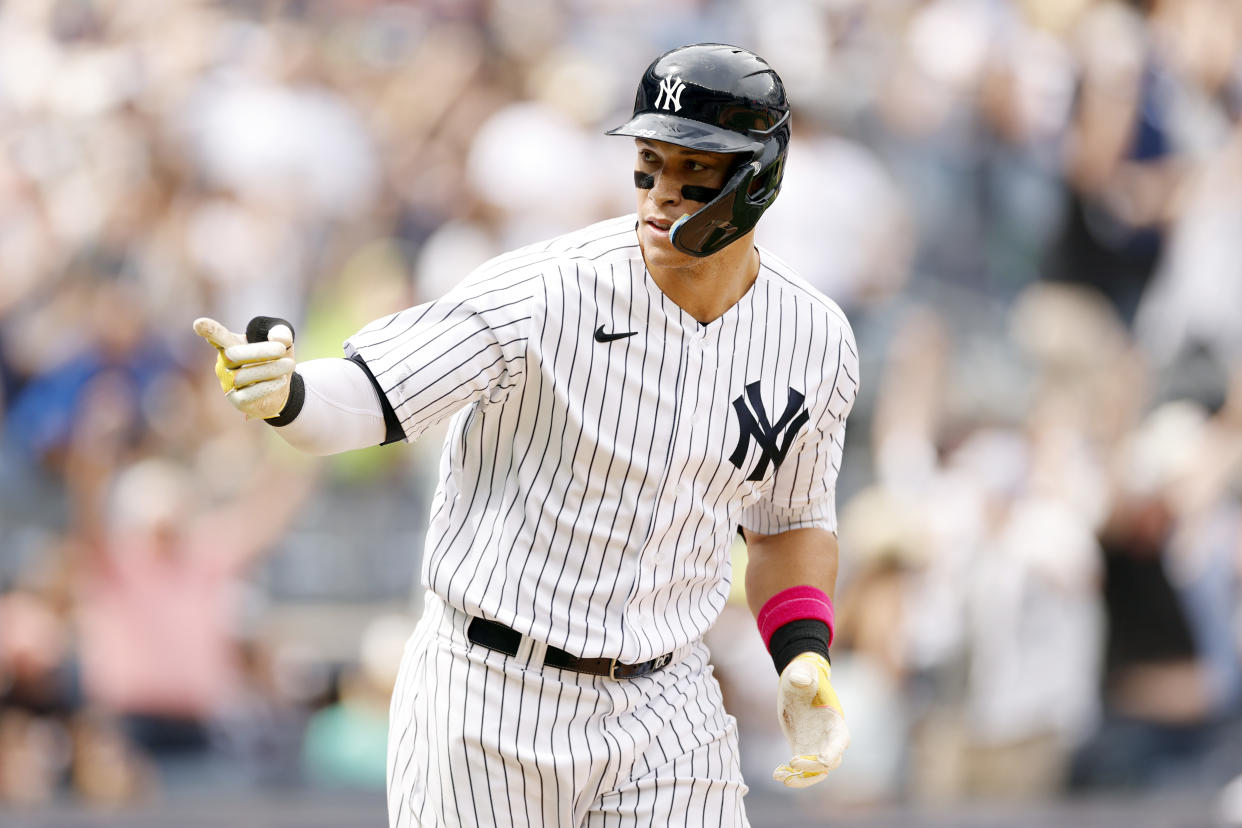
{"x": 341, "y": 412}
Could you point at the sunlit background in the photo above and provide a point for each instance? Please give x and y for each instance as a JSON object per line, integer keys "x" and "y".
{"x": 1030, "y": 211}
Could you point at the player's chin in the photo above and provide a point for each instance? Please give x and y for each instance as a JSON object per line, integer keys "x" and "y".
{"x": 658, "y": 250}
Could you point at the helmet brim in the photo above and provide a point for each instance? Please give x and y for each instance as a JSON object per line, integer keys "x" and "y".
{"x": 685, "y": 132}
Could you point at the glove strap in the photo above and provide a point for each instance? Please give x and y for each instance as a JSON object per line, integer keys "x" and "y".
{"x": 795, "y": 621}
{"x": 294, "y": 403}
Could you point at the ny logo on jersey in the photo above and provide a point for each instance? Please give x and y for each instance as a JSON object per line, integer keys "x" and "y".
{"x": 669, "y": 96}
{"x": 753, "y": 422}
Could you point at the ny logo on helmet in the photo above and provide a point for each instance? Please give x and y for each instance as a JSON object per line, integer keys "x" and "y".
{"x": 753, "y": 423}
{"x": 669, "y": 96}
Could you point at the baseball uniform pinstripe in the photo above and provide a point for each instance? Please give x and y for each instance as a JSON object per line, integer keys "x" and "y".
{"x": 604, "y": 448}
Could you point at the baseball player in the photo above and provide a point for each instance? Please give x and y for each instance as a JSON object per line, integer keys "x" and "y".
{"x": 623, "y": 399}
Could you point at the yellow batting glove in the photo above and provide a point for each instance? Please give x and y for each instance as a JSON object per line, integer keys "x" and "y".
{"x": 812, "y": 719}
{"x": 254, "y": 376}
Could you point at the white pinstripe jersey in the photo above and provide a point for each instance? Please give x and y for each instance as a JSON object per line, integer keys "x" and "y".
{"x": 589, "y": 490}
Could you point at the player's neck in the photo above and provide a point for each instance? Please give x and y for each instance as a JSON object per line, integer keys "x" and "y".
{"x": 708, "y": 287}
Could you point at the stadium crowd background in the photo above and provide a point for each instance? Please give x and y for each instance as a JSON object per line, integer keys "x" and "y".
{"x": 1031, "y": 212}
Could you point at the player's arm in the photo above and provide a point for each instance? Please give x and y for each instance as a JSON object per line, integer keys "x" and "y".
{"x": 792, "y": 570}
{"x": 322, "y": 406}
{"x": 790, "y": 578}
{"x": 778, "y": 562}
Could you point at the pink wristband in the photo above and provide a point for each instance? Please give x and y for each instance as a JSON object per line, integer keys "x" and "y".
{"x": 794, "y": 604}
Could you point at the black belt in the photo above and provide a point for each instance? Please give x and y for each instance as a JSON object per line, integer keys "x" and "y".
{"x": 496, "y": 636}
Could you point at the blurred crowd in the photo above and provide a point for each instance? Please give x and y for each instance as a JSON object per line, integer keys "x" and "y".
{"x": 1031, "y": 212}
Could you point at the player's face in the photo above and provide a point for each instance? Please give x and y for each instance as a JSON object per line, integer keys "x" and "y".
{"x": 672, "y": 168}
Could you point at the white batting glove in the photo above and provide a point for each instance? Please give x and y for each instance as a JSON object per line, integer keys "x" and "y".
{"x": 812, "y": 719}
{"x": 254, "y": 375}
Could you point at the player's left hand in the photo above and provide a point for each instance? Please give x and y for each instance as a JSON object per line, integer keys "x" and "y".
{"x": 812, "y": 719}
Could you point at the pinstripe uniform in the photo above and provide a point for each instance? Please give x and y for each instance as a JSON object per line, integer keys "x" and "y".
{"x": 604, "y": 447}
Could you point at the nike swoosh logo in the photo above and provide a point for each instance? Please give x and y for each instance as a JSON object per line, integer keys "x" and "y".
{"x": 600, "y": 336}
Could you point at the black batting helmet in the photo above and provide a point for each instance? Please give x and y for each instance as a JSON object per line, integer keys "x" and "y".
{"x": 717, "y": 98}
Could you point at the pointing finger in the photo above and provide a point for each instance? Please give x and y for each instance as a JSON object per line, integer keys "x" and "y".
{"x": 216, "y": 333}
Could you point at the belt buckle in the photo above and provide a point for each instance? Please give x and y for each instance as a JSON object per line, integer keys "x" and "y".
{"x": 645, "y": 668}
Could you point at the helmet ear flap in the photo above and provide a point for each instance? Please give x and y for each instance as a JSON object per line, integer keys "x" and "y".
{"x": 722, "y": 220}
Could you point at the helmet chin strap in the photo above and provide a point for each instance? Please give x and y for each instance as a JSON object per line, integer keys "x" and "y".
{"x": 692, "y": 192}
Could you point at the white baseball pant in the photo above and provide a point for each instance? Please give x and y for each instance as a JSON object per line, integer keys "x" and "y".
{"x": 480, "y": 738}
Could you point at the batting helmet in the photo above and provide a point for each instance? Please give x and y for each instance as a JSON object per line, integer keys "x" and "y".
{"x": 716, "y": 98}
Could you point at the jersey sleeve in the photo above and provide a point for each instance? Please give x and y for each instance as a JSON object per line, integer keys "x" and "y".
{"x": 803, "y": 491}
{"x": 431, "y": 360}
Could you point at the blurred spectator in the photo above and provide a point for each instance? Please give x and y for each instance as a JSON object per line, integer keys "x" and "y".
{"x": 1173, "y": 671}
{"x": 346, "y": 742}
{"x": 1196, "y": 291}
{"x": 34, "y": 655}
{"x": 982, "y": 599}
{"x": 1122, "y": 167}
{"x": 112, "y": 346}
{"x": 106, "y": 769}
{"x": 37, "y": 696}
{"x": 1034, "y": 629}
{"x": 155, "y": 610}
{"x": 32, "y": 756}
{"x": 838, "y": 196}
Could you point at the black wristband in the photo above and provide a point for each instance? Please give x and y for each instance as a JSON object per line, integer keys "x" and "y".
{"x": 806, "y": 635}
{"x": 293, "y": 405}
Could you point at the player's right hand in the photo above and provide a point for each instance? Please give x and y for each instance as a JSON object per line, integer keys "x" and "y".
{"x": 254, "y": 369}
